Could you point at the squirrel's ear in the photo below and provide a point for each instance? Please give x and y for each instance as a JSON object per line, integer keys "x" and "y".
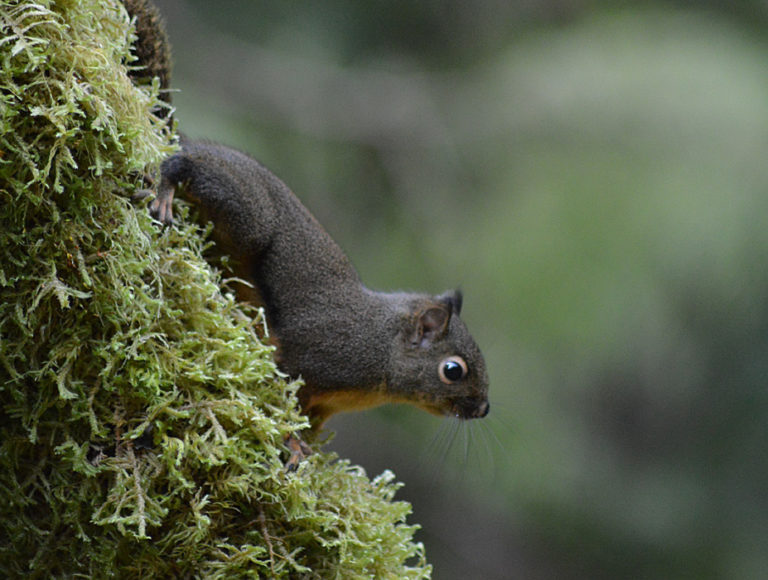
{"x": 431, "y": 323}
{"x": 453, "y": 299}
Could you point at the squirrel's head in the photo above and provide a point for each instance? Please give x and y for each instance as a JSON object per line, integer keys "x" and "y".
{"x": 436, "y": 364}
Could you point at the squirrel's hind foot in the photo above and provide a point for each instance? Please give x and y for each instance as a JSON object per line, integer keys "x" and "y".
{"x": 299, "y": 451}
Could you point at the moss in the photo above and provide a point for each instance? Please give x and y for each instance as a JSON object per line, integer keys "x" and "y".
{"x": 141, "y": 418}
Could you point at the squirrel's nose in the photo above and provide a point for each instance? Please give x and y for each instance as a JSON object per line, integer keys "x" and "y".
{"x": 471, "y": 409}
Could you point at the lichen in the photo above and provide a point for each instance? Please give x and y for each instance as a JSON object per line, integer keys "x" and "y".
{"x": 141, "y": 417}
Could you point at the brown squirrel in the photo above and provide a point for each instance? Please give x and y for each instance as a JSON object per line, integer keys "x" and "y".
{"x": 353, "y": 347}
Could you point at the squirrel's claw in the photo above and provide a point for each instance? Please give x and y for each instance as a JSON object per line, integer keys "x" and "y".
{"x": 299, "y": 451}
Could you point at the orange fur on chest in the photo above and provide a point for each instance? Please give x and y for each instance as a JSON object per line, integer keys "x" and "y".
{"x": 320, "y": 405}
{"x": 326, "y": 403}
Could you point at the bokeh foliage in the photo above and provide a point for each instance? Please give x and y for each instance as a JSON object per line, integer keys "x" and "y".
{"x": 141, "y": 417}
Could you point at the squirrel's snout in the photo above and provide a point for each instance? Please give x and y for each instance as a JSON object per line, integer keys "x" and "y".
{"x": 471, "y": 409}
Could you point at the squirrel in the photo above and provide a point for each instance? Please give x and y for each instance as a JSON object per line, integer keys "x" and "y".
{"x": 353, "y": 347}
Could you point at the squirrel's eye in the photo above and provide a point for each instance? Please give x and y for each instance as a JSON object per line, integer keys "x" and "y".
{"x": 452, "y": 369}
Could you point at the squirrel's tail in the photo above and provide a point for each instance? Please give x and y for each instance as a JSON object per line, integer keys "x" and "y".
{"x": 152, "y": 48}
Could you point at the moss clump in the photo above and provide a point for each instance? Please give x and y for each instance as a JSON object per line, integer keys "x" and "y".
{"x": 141, "y": 419}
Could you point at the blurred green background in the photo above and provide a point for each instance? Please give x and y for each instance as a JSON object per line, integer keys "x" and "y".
{"x": 593, "y": 175}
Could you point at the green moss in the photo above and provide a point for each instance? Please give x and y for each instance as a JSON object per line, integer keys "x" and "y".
{"x": 141, "y": 418}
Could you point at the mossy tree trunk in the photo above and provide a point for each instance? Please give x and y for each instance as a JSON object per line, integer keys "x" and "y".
{"x": 141, "y": 419}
